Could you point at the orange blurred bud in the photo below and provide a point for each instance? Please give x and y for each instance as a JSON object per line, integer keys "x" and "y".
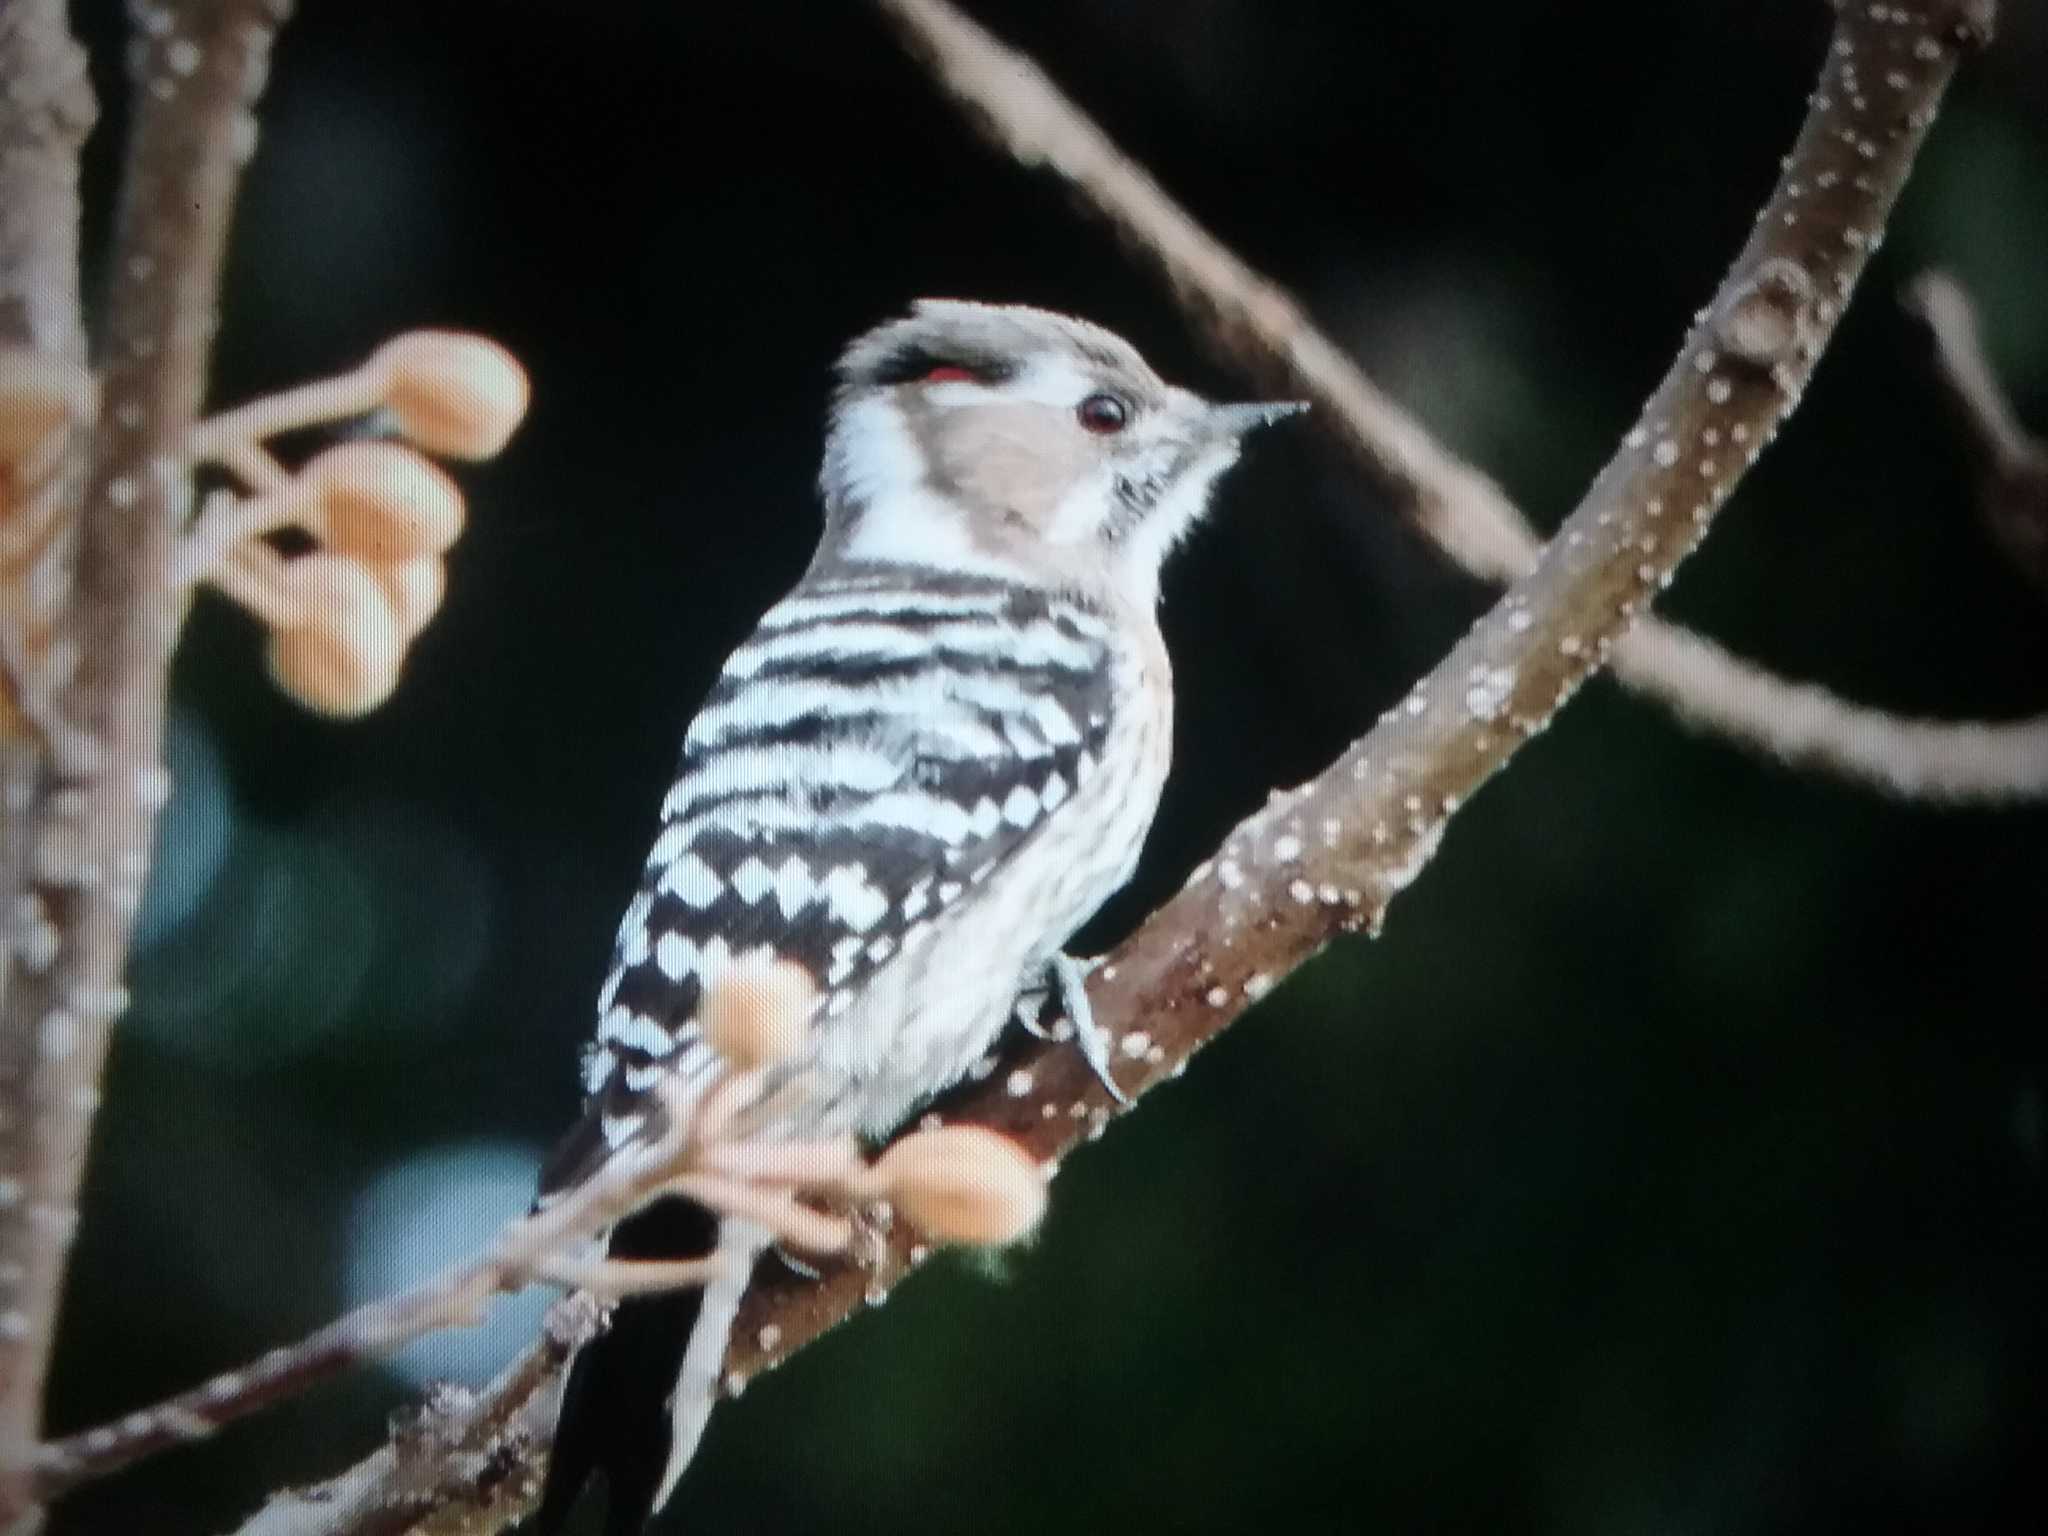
{"x": 343, "y": 655}
{"x": 452, "y": 393}
{"x": 962, "y": 1184}
{"x": 39, "y": 395}
{"x": 414, "y": 588}
{"x": 756, "y": 1012}
{"x": 383, "y": 502}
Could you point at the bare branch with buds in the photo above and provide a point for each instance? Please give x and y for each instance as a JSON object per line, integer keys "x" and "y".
{"x": 99, "y": 551}
{"x": 953, "y": 1185}
{"x": 88, "y": 637}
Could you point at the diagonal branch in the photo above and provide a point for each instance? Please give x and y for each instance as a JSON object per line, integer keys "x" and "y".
{"x": 1327, "y": 858}
{"x": 464, "y": 1462}
{"x": 544, "y": 1246}
{"x": 1253, "y": 322}
{"x": 197, "y": 69}
{"x": 2011, "y": 463}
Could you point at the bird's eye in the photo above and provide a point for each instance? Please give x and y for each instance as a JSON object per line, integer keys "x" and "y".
{"x": 1103, "y": 414}
{"x": 951, "y": 373}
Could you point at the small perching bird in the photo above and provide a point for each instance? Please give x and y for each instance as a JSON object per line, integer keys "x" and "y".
{"x": 926, "y": 767}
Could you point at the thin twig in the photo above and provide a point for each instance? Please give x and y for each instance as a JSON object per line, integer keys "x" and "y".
{"x": 544, "y": 1246}
{"x": 523, "y": 1253}
{"x": 1708, "y": 688}
{"x": 1257, "y": 325}
{"x": 1329, "y": 857}
{"x": 197, "y": 71}
{"x": 465, "y": 1462}
{"x": 2012, "y": 463}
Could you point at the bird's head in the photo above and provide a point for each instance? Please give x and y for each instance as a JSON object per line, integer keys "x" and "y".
{"x": 976, "y": 436}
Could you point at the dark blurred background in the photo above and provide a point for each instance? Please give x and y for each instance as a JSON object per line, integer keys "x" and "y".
{"x": 1674, "y": 1163}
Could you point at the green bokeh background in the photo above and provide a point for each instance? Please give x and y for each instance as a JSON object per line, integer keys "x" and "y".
{"x": 1674, "y": 1163}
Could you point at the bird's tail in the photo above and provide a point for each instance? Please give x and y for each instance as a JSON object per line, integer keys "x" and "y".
{"x": 638, "y": 1395}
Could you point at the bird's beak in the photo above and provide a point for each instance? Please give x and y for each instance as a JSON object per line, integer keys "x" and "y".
{"x": 1235, "y": 420}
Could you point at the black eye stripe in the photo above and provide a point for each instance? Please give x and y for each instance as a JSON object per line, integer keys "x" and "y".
{"x": 911, "y": 362}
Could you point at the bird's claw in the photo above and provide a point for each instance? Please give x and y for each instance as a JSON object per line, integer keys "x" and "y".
{"x": 1064, "y": 981}
{"x": 801, "y": 1268}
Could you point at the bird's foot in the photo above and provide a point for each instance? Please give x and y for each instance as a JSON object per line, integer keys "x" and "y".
{"x": 1063, "y": 983}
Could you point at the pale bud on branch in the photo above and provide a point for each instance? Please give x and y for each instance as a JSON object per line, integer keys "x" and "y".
{"x": 341, "y": 618}
{"x": 757, "y": 1011}
{"x": 39, "y": 397}
{"x": 342, "y": 654}
{"x": 414, "y": 588}
{"x": 382, "y": 502}
{"x": 962, "y": 1184}
{"x": 452, "y": 393}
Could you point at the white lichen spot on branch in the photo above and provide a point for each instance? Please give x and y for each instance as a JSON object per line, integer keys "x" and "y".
{"x": 1766, "y": 322}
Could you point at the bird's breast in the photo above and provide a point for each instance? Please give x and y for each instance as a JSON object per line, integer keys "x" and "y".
{"x": 924, "y": 1019}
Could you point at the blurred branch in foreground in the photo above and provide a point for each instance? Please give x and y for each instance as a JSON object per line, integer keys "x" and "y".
{"x": 88, "y": 644}
{"x": 100, "y": 552}
{"x": 2011, "y": 463}
{"x": 1257, "y": 325}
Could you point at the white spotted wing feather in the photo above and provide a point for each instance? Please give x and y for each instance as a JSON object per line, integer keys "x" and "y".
{"x": 870, "y": 765}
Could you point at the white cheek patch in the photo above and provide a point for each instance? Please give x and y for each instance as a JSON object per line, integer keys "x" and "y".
{"x": 873, "y": 463}
{"x": 914, "y": 527}
{"x": 870, "y": 456}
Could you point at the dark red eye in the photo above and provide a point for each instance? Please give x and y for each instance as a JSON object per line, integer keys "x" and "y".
{"x": 1103, "y": 414}
{"x": 949, "y": 373}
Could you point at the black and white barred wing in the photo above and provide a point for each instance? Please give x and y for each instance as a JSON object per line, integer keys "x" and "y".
{"x": 870, "y": 754}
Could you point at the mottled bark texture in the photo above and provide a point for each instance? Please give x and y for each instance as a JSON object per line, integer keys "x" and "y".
{"x": 86, "y": 827}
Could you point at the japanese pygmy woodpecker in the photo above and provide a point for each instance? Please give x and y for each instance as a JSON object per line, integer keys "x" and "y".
{"x": 922, "y": 771}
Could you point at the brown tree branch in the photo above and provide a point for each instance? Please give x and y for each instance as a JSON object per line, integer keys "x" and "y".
{"x": 1255, "y": 324}
{"x": 456, "y": 1298}
{"x": 2011, "y": 463}
{"x": 46, "y": 110}
{"x": 197, "y": 70}
{"x": 1327, "y": 858}
{"x": 538, "y": 1247}
{"x": 463, "y": 1462}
